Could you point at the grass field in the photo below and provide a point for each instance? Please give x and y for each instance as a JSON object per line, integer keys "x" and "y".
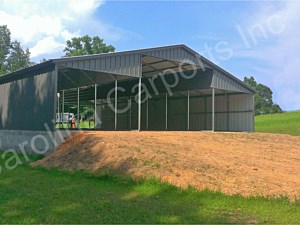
{"x": 283, "y": 123}
{"x": 83, "y": 125}
{"x": 36, "y": 195}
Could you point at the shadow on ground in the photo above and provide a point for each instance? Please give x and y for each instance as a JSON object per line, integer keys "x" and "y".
{"x": 37, "y": 195}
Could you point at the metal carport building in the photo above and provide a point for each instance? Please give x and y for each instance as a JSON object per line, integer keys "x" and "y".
{"x": 164, "y": 88}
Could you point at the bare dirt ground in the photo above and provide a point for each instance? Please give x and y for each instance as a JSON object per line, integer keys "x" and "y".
{"x": 235, "y": 163}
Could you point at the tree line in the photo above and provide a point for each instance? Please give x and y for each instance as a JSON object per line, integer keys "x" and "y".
{"x": 13, "y": 57}
{"x": 263, "y": 99}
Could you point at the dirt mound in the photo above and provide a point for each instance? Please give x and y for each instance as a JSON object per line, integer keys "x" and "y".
{"x": 235, "y": 163}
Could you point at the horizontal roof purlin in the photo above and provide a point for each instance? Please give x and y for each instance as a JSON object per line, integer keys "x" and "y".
{"x": 50, "y": 65}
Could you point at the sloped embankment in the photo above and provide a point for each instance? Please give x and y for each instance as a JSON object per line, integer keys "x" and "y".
{"x": 235, "y": 163}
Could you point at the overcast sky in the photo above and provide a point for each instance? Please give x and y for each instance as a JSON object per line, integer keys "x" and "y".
{"x": 259, "y": 39}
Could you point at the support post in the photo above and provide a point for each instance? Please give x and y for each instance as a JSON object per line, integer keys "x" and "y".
{"x": 139, "y": 104}
{"x": 188, "y": 110}
{"x": 213, "y": 111}
{"x": 253, "y": 113}
{"x": 116, "y": 104}
{"x": 53, "y": 125}
{"x": 78, "y": 111}
{"x": 58, "y": 109}
{"x": 95, "y": 105}
{"x": 166, "y": 111}
{"x": 68, "y": 124}
{"x": 63, "y": 108}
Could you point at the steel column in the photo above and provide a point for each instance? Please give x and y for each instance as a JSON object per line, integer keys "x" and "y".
{"x": 253, "y": 114}
{"x": 95, "y": 105}
{"x": 188, "y": 110}
{"x": 139, "y": 104}
{"x": 58, "y": 109}
{"x": 116, "y": 104}
{"x": 63, "y": 107}
{"x": 213, "y": 110}
{"x": 78, "y": 111}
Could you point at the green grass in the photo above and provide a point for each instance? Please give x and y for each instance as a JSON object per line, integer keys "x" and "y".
{"x": 283, "y": 123}
{"x": 83, "y": 125}
{"x": 37, "y": 195}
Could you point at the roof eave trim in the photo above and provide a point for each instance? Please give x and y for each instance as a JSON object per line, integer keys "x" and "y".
{"x": 214, "y": 66}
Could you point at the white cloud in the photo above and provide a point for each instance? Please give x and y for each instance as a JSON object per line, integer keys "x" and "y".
{"x": 47, "y": 44}
{"x": 45, "y": 25}
{"x": 274, "y": 46}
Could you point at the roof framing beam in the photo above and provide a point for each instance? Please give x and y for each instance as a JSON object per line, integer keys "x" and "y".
{"x": 65, "y": 75}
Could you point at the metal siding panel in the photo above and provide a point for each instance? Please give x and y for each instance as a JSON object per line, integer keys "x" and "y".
{"x": 29, "y": 103}
{"x": 157, "y": 114}
{"x": 87, "y": 64}
{"x": 93, "y": 64}
{"x": 123, "y": 118}
{"x": 137, "y": 65}
{"x": 175, "y": 54}
{"x": 134, "y": 115}
{"x": 223, "y": 82}
{"x": 108, "y": 117}
{"x": 242, "y": 108}
{"x": 221, "y": 113}
{"x": 122, "y": 67}
{"x": 112, "y": 65}
{"x": 107, "y": 64}
{"x": 127, "y": 64}
{"x": 118, "y": 64}
{"x": 177, "y": 114}
{"x": 167, "y": 53}
{"x": 221, "y": 121}
{"x": 133, "y": 69}
{"x": 132, "y": 63}
{"x": 97, "y": 64}
{"x": 81, "y": 64}
{"x": 197, "y": 105}
{"x": 102, "y": 64}
{"x": 197, "y": 113}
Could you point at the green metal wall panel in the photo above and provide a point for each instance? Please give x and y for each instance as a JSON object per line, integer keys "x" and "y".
{"x": 29, "y": 103}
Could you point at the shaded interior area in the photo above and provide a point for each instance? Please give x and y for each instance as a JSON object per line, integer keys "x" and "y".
{"x": 174, "y": 96}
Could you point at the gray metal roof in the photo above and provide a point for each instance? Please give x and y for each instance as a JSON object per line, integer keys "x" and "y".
{"x": 133, "y": 64}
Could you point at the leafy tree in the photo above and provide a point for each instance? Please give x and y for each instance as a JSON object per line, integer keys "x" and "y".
{"x": 263, "y": 98}
{"x": 43, "y": 60}
{"x": 18, "y": 58}
{"x": 4, "y": 47}
{"x": 276, "y": 109}
{"x": 12, "y": 56}
{"x": 86, "y": 46}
